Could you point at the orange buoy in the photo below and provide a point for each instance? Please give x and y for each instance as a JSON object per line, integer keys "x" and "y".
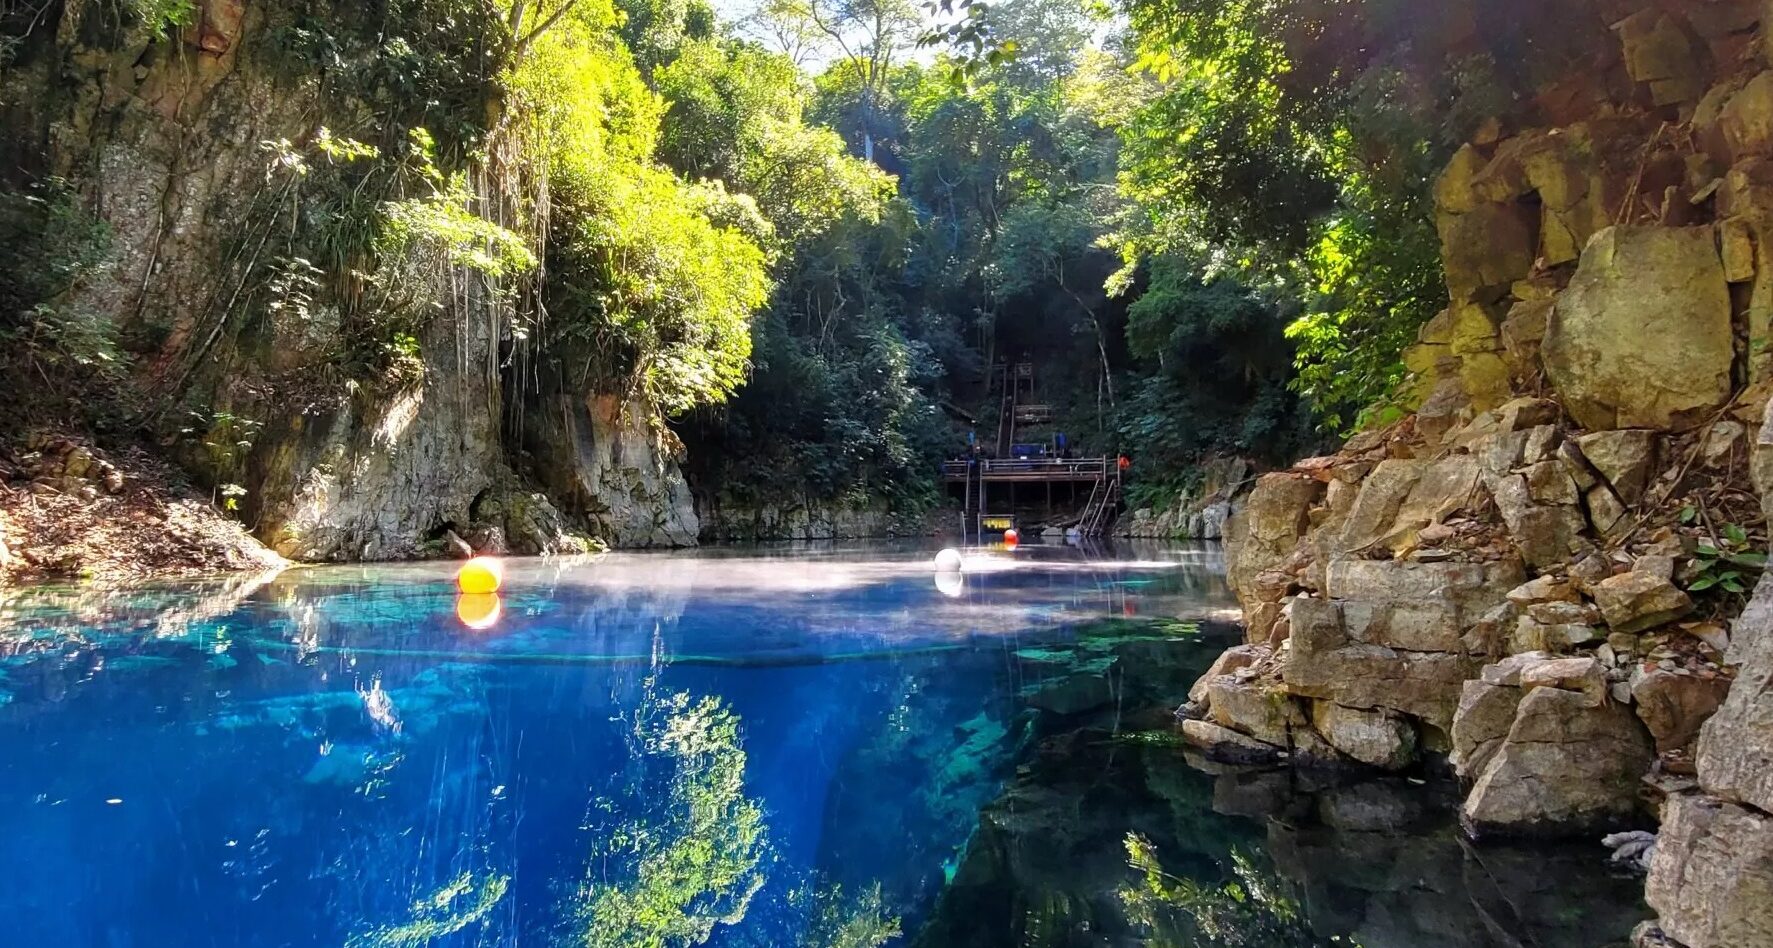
{"x": 478, "y": 611}
{"x": 1011, "y": 538}
{"x": 482, "y": 574}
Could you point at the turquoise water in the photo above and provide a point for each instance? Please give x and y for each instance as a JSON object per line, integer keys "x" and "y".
{"x": 825, "y": 746}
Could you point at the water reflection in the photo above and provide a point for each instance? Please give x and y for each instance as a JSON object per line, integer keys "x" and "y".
{"x": 775, "y": 750}
{"x": 768, "y": 749}
{"x": 1103, "y": 841}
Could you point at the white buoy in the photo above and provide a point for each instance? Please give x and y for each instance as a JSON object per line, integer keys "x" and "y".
{"x": 949, "y": 561}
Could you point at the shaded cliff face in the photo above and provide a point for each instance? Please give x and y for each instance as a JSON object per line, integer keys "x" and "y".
{"x": 1537, "y": 573}
{"x": 231, "y": 277}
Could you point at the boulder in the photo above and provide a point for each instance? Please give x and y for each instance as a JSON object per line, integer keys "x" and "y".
{"x": 1472, "y": 587}
{"x": 1249, "y": 707}
{"x": 1662, "y": 54}
{"x": 1485, "y": 713}
{"x": 1222, "y": 743}
{"x": 1675, "y": 706}
{"x": 1374, "y": 738}
{"x": 1487, "y": 248}
{"x": 1230, "y": 660}
{"x": 1543, "y": 589}
{"x": 1425, "y": 684}
{"x": 1549, "y": 483}
{"x": 1566, "y": 766}
{"x": 1605, "y": 511}
{"x": 1633, "y": 602}
{"x": 1711, "y": 878}
{"x": 1624, "y": 458}
{"x": 1634, "y": 284}
{"x": 1269, "y": 526}
{"x": 1376, "y": 507}
{"x": 1544, "y": 534}
{"x": 1582, "y": 675}
{"x": 1747, "y": 119}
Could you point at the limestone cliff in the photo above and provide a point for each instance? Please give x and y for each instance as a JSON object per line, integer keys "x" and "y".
{"x": 1532, "y": 576}
{"x": 198, "y": 154}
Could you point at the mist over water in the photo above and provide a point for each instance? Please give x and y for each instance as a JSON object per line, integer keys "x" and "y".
{"x": 766, "y": 747}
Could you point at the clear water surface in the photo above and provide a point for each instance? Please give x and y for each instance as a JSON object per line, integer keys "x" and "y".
{"x": 828, "y": 747}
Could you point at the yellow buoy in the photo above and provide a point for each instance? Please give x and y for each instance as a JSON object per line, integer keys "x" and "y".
{"x": 478, "y": 610}
{"x": 482, "y": 574}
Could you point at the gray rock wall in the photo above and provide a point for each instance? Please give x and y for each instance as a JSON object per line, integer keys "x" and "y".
{"x": 165, "y": 143}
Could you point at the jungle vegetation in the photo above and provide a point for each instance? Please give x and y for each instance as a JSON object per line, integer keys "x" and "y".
{"x": 802, "y": 230}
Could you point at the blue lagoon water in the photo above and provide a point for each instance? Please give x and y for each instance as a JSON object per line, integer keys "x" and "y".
{"x": 812, "y": 747}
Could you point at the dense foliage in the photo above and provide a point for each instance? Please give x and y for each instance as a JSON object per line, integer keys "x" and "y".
{"x": 805, "y": 242}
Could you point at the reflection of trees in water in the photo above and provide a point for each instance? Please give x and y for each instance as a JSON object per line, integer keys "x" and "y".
{"x": 667, "y": 876}
{"x": 453, "y": 907}
{"x": 1179, "y": 912}
{"x": 837, "y": 919}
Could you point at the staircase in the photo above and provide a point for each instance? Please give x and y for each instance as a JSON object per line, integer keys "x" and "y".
{"x": 1099, "y": 513}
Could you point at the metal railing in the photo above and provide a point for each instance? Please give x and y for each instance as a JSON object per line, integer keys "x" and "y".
{"x": 1033, "y": 468}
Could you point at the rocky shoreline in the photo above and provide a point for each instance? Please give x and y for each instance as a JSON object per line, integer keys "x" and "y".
{"x": 1538, "y": 577}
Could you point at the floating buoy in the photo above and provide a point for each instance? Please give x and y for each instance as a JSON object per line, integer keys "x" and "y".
{"x": 1011, "y": 538}
{"x": 478, "y": 611}
{"x": 950, "y": 561}
{"x": 482, "y": 574}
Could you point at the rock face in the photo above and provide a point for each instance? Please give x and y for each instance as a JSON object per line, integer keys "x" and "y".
{"x": 378, "y": 477}
{"x": 1374, "y": 738}
{"x": 1508, "y": 570}
{"x": 612, "y": 465}
{"x": 1635, "y": 284}
{"x": 1567, "y": 765}
{"x": 1198, "y": 514}
{"x": 1712, "y": 876}
{"x": 164, "y": 140}
{"x": 806, "y": 519}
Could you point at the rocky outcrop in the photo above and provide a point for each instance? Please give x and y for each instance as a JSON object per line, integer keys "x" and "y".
{"x": 1198, "y": 513}
{"x": 1522, "y": 573}
{"x": 1633, "y": 284}
{"x": 1711, "y": 879}
{"x": 344, "y": 429}
{"x": 803, "y": 519}
{"x": 1712, "y": 876}
{"x": 69, "y": 509}
{"x": 1569, "y": 762}
{"x": 614, "y": 466}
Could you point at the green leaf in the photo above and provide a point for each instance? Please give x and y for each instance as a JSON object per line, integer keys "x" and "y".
{"x": 1703, "y": 583}
{"x": 1735, "y": 534}
{"x": 1731, "y": 585}
{"x": 1689, "y": 513}
{"x": 1709, "y": 551}
{"x": 1750, "y": 560}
